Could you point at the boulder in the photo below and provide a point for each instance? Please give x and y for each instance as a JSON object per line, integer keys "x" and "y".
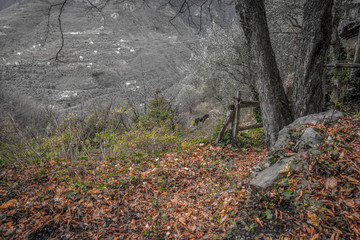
{"x": 266, "y": 174}
{"x": 309, "y": 139}
{"x": 266, "y": 178}
{"x": 316, "y": 118}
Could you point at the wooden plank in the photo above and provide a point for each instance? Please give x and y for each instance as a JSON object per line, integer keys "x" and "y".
{"x": 250, "y": 127}
{"x": 343, "y": 65}
{"x": 228, "y": 119}
{"x": 233, "y": 116}
{"x": 246, "y": 104}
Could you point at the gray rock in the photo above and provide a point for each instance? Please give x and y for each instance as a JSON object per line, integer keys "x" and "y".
{"x": 261, "y": 166}
{"x": 284, "y": 135}
{"x": 316, "y": 118}
{"x": 270, "y": 175}
{"x": 309, "y": 139}
{"x": 265, "y": 176}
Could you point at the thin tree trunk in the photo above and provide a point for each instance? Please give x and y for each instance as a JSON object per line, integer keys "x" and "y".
{"x": 273, "y": 101}
{"x": 315, "y": 40}
{"x": 338, "y": 12}
{"x": 357, "y": 50}
{"x": 355, "y": 73}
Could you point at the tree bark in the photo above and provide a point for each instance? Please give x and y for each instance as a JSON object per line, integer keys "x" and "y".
{"x": 273, "y": 101}
{"x": 315, "y": 40}
{"x": 338, "y": 12}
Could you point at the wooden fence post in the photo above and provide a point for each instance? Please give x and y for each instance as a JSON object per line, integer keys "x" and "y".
{"x": 233, "y": 116}
{"x": 235, "y": 123}
{"x": 229, "y": 117}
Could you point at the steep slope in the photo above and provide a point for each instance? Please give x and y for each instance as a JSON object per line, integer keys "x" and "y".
{"x": 125, "y": 50}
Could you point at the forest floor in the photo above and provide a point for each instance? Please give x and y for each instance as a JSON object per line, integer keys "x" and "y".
{"x": 200, "y": 191}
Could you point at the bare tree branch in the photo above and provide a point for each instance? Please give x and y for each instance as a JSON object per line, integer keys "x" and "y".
{"x": 61, "y": 30}
{"x": 187, "y": 7}
{"x": 48, "y": 19}
{"x": 98, "y": 8}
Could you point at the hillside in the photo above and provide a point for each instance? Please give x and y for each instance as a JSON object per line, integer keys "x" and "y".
{"x": 128, "y": 49}
{"x": 147, "y": 183}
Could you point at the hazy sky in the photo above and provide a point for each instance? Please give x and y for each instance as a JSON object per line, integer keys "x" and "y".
{"x": 7, "y": 3}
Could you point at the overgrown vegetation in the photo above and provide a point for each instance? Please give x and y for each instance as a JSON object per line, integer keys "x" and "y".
{"x": 111, "y": 133}
{"x": 251, "y": 139}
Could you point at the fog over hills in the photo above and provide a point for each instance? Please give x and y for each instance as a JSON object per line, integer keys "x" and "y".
{"x": 128, "y": 49}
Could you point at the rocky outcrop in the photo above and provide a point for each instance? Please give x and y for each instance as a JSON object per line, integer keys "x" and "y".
{"x": 278, "y": 164}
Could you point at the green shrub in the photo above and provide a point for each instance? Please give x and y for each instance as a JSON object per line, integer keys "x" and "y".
{"x": 254, "y": 137}
{"x": 101, "y": 133}
{"x": 161, "y": 112}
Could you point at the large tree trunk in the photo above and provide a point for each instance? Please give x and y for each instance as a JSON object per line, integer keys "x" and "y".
{"x": 315, "y": 40}
{"x": 273, "y": 101}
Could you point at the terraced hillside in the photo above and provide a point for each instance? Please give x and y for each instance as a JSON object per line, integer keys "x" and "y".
{"x": 127, "y": 49}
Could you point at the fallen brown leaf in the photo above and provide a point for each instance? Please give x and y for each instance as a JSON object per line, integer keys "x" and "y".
{"x": 330, "y": 183}
{"x": 8, "y": 204}
{"x": 259, "y": 222}
{"x": 349, "y": 202}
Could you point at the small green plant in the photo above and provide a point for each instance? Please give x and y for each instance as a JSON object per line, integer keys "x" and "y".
{"x": 227, "y": 139}
{"x": 83, "y": 156}
{"x": 155, "y": 202}
{"x": 161, "y": 112}
{"x": 252, "y": 227}
{"x": 199, "y": 140}
{"x": 257, "y": 115}
{"x": 147, "y": 231}
{"x": 273, "y": 160}
{"x": 268, "y": 214}
{"x": 216, "y": 217}
{"x": 164, "y": 217}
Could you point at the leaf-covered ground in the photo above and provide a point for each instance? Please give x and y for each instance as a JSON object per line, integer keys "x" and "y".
{"x": 327, "y": 193}
{"x": 198, "y": 192}
{"x": 191, "y": 194}
{"x": 320, "y": 200}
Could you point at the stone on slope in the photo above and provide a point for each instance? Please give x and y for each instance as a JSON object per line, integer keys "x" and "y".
{"x": 309, "y": 139}
{"x": 316, "y": 118}
{"x": 266, "y": 178}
